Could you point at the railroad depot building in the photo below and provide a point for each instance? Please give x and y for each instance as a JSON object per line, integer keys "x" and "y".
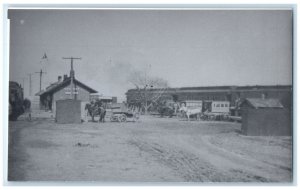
{"x": 61, "y": 90}
{"x": 233, "y": 94}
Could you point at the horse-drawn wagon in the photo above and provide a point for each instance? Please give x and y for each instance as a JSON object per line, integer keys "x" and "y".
{"x": 120, "y": 113}
{"x": 216, "y": 110}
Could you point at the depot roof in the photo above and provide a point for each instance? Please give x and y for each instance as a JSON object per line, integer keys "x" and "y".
{"x": 59, "y": 85}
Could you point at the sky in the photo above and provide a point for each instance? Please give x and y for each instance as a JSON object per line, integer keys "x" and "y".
{"x": 184, "y": 47}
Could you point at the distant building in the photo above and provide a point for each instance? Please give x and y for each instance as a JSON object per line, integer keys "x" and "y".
{"x": 61, "y": 90}
{"x": 234, "y": 94}
{"x": 106, "y": 99}
{"x": 265, "y": 117}
{"x": 16, "y": 98}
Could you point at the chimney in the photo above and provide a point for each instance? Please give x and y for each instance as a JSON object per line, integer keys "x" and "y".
{"x": 59, "y": 79}
{"x": 65, "y": 77}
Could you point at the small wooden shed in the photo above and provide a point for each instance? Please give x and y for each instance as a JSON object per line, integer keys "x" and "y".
{"x": 265, "y": 117}
{"x": 68, "y": 111}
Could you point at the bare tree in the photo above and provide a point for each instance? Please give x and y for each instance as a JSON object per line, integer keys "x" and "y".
{"x": 148, "y": 89}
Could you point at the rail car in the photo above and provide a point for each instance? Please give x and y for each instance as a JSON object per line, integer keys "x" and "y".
{"x": 209, "y": 109}
{"x": 16, "y": 98}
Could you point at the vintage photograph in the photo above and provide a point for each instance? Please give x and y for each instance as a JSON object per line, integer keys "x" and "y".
{"x": 151, "y": 95}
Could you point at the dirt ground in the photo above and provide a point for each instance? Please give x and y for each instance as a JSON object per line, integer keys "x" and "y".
{"x": 150, "y": 150}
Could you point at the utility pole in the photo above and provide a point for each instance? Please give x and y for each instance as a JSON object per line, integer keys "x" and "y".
{"x": 23, "y": 86}
{"x": 23, "y": 83}
{"x": 41, "y": 74}
{"x": 72, "y": 75}
{"x": 30, "y": 84}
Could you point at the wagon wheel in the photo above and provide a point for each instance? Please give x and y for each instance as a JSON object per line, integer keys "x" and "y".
{"x": 226, "y": 117}
{"x": 213, "y": 118}
{"x": 122, "y": 118}
{"x": 205, "y": 117}
{"x": 112, "y": 118}
{"x": 136, "y": 116}
{"x": 181, "y": 115}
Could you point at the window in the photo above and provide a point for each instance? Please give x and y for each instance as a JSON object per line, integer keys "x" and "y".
{"x": 218, "y": 105}
{"x": 222, "y": 105}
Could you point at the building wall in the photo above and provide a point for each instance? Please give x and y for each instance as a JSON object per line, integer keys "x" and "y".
{"x": 61, "y": 94}
{"x": 266, "y": 122}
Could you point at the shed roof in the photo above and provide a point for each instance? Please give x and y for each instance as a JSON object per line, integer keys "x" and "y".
{"x": 263, "y": 103}
{"x": 56, "y": 86}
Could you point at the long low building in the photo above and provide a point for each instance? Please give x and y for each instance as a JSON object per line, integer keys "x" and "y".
{"x": 233, "y": 94}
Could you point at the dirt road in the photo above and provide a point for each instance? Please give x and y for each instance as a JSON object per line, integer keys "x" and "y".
{"x": 151, "y": 150}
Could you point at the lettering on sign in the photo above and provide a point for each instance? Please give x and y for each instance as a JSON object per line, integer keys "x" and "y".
{"x": 69, "y": 92}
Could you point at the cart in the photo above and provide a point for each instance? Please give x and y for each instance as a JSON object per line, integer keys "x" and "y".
{"x": 120, "y": 113}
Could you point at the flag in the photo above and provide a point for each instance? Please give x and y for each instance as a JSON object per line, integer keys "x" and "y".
{"x": 45, "y": 56}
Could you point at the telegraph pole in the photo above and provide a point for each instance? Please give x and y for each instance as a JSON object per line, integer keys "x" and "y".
{"x": 23, "y": 82}
{"x": 72, "y": 75}
{"x": 41, "y": 74}
{"x": 30, "y": 84}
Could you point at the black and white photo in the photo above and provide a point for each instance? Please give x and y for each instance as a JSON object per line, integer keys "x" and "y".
{"x": 144, "y": 95}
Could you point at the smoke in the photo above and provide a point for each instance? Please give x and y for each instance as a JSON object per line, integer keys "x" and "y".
{"x": 116, "y": 79}
{"x": 122, "y": 76}
{"x": 118, "y": 73}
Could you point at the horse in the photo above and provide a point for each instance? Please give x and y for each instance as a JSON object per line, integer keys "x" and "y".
{"x": 100, "y": 110}
{"x": 91, "y": 110}
{"x": 102, "y": 113}
{"x": 189, "y": 112}
{"x": 95, "y": 109}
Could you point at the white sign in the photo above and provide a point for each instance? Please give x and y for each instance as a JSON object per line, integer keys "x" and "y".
{"x": 75, "y": 92}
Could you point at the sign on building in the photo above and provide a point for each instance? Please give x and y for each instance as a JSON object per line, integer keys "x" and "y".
{"x": 68, "y": 90}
